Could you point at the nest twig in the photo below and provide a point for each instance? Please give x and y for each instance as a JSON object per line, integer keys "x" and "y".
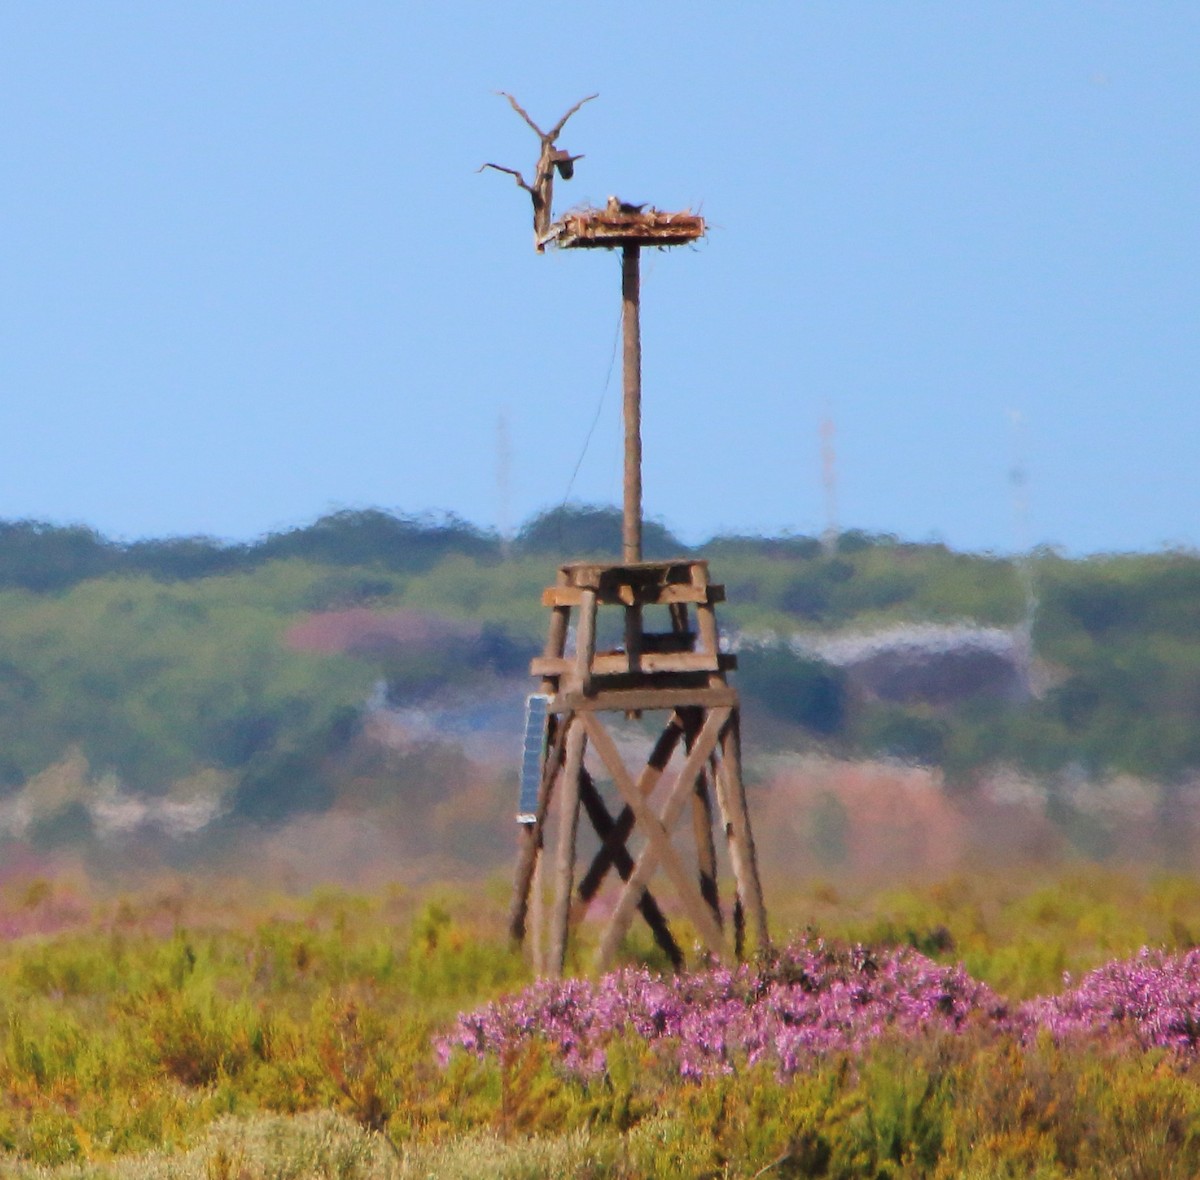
{"x": 608, "y": 228}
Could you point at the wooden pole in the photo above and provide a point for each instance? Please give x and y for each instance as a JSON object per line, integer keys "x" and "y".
{"x": 564, "y": 865}
{"x": 631, "y": 527}
{"x": 538, "y": 918}
{"x": 731, "y": 798}
{"x": 532, "y": 835}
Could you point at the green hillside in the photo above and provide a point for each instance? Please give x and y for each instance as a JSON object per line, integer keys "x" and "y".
{"x": 172, "y": 668}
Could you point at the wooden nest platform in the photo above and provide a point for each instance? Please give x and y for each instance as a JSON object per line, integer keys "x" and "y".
{"x": 608, "y": 229}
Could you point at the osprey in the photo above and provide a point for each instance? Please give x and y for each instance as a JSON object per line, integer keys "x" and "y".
{"x": 614, "y": 206}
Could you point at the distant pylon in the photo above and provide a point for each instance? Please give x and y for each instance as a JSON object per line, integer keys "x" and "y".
{"x": 829, "y": 538}
{"x": 1018, "y": 478}
{"x": 504, "y": 484}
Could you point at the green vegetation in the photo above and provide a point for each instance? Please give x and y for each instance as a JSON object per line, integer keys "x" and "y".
{"x": 170, "y": 668}
{"x": 155, "y": 682}
{"x": 195, "y": 1031}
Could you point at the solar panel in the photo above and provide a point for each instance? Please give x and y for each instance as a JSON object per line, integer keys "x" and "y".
{"x": 533, "y": 755}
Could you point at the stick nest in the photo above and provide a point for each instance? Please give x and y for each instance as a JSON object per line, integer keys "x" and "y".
{"x": 606, "y": 228}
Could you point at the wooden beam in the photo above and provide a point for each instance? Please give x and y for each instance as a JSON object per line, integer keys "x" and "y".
{"x": 619, "y": 663}
{"x": 554, "y": 596}
{"x": 656, "y": 829}
{"x": 644, "y": 699}
{"x": 619, "y": 856}
{"x": 660, "y": 755}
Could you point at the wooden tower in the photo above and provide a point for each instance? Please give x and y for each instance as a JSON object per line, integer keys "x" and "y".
{"x": 668, "y": 664}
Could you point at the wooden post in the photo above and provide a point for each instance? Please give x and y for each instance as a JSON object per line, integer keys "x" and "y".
{"x": 585, "y": 641}
{"x": 529, "y": 856}
{"x": 538, "y": 918}
{"x": 731, "y": 798}
{"x": 564, "y": 865}
{"x": 631, "y": 527}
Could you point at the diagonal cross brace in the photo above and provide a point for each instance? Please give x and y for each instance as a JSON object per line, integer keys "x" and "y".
{"x": 659, "y": 849}
{"x": 604, "y": 824}
{"x": 615, "y": 839}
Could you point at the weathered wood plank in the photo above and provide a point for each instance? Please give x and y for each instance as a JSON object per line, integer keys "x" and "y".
{"x": 644, "y": 699}
{"x": 618, "y": 663}
{"x": 554, "y": 596}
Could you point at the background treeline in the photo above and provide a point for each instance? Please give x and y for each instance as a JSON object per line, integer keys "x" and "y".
{"x": 169, "y": 668}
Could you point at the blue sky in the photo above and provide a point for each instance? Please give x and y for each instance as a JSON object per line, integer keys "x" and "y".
{"x": 248, "y": 272}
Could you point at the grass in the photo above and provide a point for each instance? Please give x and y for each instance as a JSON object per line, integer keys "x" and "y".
{"x": 185, "y": 1031}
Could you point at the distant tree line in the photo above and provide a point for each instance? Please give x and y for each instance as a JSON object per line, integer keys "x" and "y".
{"x": 160, "y": 660}
{"x": 38, "y": 556}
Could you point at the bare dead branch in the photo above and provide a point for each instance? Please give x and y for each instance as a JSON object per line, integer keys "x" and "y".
{"x": 556, "y": 130}
{"x": 511, "y": 171}
{"x": 516, "y": 106}
{"x": 550, "y": 159}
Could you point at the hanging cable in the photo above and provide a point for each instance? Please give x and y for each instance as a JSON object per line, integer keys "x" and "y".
{"x": 612, "y": 360}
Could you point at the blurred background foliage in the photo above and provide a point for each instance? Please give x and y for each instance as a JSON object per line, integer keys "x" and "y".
{"x": 159, "y": 660}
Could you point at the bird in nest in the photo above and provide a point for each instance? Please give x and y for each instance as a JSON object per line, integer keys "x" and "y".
{"x": 615, "y": 205}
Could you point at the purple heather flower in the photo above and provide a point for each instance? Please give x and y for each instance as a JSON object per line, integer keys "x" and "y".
{"x": 812, "y": 1000}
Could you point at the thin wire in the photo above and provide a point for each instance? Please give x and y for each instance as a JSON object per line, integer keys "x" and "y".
{"x": 612, "y": 360}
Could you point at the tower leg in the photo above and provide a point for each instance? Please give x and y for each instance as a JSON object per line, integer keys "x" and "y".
{"x": 528, "y": 854}
{"x": 537, "y": 916}
{"x": 533, "y": 835}
{"x": 731, "y": 798}
{"x": 564, "y": 861}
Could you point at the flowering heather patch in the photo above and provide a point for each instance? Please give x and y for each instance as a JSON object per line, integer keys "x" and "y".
{"x": 1152, "y": 999}
{"x": 812, "y": 999}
